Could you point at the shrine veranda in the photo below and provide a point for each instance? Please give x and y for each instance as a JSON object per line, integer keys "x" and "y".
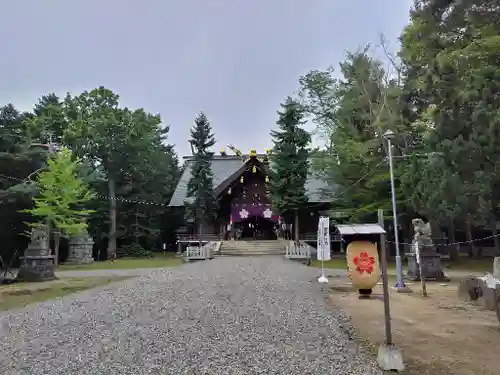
{"x": 241, "y": 186}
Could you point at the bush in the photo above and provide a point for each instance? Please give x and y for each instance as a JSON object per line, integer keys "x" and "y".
{"x": 135, "y": 251}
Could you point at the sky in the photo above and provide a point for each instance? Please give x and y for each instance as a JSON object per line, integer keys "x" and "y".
{"x": 234, "y": 60}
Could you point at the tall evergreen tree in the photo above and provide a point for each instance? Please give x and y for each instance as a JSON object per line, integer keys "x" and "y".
{"x": 200, "y": 206}
{"x": 290, "y": 161}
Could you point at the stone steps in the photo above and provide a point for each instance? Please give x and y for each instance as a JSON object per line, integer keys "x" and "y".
{"x": 243, "y": 248}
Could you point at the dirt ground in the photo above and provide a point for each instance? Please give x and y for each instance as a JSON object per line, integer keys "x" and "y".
{"x": 438, "y": 334}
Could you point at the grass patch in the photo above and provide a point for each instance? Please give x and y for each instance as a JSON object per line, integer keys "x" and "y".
{"x": 158, "y": 261}
{"x": 22, "y": 294}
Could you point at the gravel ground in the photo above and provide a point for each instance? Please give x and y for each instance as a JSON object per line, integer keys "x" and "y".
{"x": 260, "y": 315}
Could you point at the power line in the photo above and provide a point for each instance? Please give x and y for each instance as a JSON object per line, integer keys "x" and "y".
{"x": 459, "y": 242}
{"x": 103, "y": 197}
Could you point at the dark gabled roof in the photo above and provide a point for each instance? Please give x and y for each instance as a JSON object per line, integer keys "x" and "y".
{"x": 223, "y": 167}
{"x": 236, "y": 174}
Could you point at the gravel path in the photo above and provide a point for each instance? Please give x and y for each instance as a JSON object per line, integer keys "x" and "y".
{"x": 260, "y": 315}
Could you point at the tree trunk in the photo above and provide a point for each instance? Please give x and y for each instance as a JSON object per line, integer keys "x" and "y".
{"x": 112, "y": 218}
{"x": 454, "y": 249}
{"x": 57, "y": 240}
{"x": 468, "y": 232}
{"x": 494, "y": 233}
{"x": 296, "y": 226}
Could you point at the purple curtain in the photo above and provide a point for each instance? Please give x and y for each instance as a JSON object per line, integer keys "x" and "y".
{"x": 240, "y": 212}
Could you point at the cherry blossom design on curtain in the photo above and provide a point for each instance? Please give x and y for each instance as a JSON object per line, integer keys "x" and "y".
{"x": 244, "y": 214}
{"x": 364, "y": 263}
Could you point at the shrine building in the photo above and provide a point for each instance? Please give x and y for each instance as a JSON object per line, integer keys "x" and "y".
{"x": 241, "y": 186}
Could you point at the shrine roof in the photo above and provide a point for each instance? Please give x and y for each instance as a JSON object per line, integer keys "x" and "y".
{"x": 225, "y": 166}
{"x": 353, "y": 229}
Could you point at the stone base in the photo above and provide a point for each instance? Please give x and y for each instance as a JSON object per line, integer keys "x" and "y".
{"x": 477, "y": 289}
{"x": 390, "y": 358}
{"x": 431, "y": 264}
{"x": 79, "y": 261}
{"x": 37, "y": 268}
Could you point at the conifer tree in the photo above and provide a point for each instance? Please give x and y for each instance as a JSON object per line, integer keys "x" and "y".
{"x": 200, "y": 206}
{"x": 290, "y": 161}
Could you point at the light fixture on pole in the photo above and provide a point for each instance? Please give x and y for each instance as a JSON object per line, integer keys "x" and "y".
{"x": 389, "y": 135}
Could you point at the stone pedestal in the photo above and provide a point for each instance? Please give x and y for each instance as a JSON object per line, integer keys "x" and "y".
{"x": 496, "y": 267}
{"x": 37, "y": 264}
{"x": 80, "y": 250}
{"x": 431, "y": 265}
{"x": 37, "y": 268}
{"x": 430, "y": 260}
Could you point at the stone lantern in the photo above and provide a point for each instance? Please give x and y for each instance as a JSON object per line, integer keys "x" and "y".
{"x": 80, "y": 249}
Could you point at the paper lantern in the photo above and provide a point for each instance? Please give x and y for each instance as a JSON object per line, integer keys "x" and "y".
{"x": 363, "y": 264}
{"x": 254, "y": 169}
{"x": 267, "y": 179}
{"x": 229, "y": 191}
{"x": 223, "y": 152}
{"x": 253, "y": 153}
{"x": 242, "y": 179}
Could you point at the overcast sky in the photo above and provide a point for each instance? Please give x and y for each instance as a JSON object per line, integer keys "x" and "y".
{"x": 234, "y": 60}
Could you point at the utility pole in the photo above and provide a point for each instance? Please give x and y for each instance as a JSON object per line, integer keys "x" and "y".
{"x": 388, "y": 135}
{"x": 385, "y": 282}
{"x": 389, "y": 356}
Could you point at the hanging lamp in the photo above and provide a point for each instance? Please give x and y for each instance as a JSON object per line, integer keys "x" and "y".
{"x": 267, "y": 179}
{"x": 254, "y": 169}
{"x": 242, "y": 179}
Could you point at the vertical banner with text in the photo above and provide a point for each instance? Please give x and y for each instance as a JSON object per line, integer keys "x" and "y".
{"x": 323, "y": 241}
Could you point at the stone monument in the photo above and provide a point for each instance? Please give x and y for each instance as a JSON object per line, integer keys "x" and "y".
{"x": 496, "y": 267}
{"x": 430, "y": 259}
{"x": 37, "y": 264}
{"x": 80, "y": 249}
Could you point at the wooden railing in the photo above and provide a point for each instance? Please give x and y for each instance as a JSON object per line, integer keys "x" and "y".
{"x": 205, "y": 252}
{"x": 194, "y": 238}
{"x": 297, "y": 251}
{"x": 313, "y": 237}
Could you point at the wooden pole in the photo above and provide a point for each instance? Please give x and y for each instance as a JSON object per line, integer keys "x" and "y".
{"x": 385, "y": 283}
{"x": 422, "y": 276}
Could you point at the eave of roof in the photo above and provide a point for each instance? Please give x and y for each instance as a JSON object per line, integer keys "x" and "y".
{"x": 225, "y": 166}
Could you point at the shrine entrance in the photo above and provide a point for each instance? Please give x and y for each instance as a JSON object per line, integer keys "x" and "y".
{"x": 253, "y": 221}
{"x": 257, "y": 228}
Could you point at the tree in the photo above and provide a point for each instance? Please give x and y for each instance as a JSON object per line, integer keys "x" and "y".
{"x": 351, "y": 114}
{"x": 200, "y": 206}
{"x": 62, "y": 195}
{"x": 108, "y": 137}
{"x": 449, "y": 51}
{"x": 290, "y": 161}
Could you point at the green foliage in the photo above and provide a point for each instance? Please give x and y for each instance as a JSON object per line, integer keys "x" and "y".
{"x": 201, "y": 201}
{"x": 130, "y": 146}
{"x": 450, "y": 55}
{"x": 62, "y": 193}
{"x": 135, "y": 164}
{"x": 135, "y": 250}
{"x": 351, "y": 114}
{"x": 290, "y": 160}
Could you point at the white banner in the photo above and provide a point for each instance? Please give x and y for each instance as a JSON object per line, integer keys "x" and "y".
{"x": 323, "y": 241}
